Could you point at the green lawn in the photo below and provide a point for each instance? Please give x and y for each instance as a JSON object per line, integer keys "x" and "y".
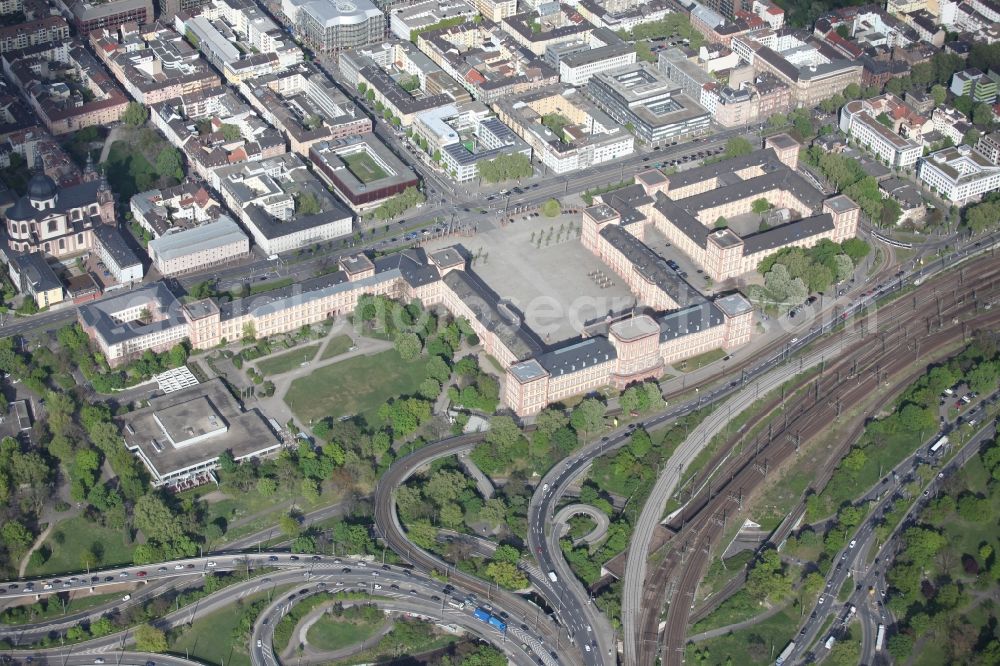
{"x": 279, "y": 363}
{"x": 264, "y": 287}
{"x": 720, "y": 573}
{"x": 54, "y": 608}
{"x": 337, "y": 346}
{"x": 759, "y": 644}
{"x": 700, "y": 360}
{"x": 77, "y": 535}
{"x": 736, "y": 608}
{"x": 363, "y": 167}
{"x": 209, "y": 639}
{"x": 330, "y": 633}
{"x": 355, "y": 386}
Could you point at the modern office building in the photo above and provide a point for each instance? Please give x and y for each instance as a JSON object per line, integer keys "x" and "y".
{"x": 361, "y": 170}
{"x": 328, "y": 26}
{"x": 641, "y": 98}
{"x": 180, "y": 436}
{"x": 215, "y": 243}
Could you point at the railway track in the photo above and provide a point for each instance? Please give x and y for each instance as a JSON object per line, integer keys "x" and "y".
{"x": 920, "y": 322}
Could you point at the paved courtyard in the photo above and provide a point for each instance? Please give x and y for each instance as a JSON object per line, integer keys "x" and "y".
{"x": 557, "y": 284}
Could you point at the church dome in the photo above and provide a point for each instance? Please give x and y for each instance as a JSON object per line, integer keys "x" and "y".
{"x": 41, "y": 187}
{"x": 22, "y": 211}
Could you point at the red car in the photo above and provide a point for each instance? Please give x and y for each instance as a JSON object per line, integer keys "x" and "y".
{"x": 141, "y": 574}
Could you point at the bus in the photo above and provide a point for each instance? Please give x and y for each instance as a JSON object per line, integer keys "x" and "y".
{"x": 499, "y": 624}
{"x": 785, "y": 654}
{"x": 880, "y": 637}
{"x": 938, "y": 444}
{"x": 481, "y": 614}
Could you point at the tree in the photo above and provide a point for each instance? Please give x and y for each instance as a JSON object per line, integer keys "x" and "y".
{"x": 135, "y": 114}
{"x": 422, "y": 534}
{"x": 230, "y": 132}
{"x": 982, "y": 115}
{"x": 505, "y": 167}
{"x": 17, "y": 537}
{"x": 155, "y": 520}
{"x": 844, "y": 31}
{"x": 721, "y": 223}
{"x": 249, "y": 332}
{"x": 551, "y": 208}
{"x": 588, "y": 416}
{"x": 507, "y": 575}
{"x": 306, "y": 203}
{"x": 289, "y": 525}
{"x": 923, "y": 544}
{"x": 760, "y": 206}
{"x": 939, "y": 93}
{"x": 738, "y": 146}
{"x": 852, "y": 91}
{"x": 640, "y": 443}
{"x": 267, "y": 486}
{"x": 407, "y": 345}
{"x": 149, "y": 639}
{"x": 169, "y": 163}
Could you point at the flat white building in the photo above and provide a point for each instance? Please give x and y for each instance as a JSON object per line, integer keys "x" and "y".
{"x": 857, "y": 120}
{"x": 276, "y": 200}
{"x": 212, "y": 244}
{"x": 116, "y": 254}
{"x": 959, "y": 174}
{"x": 405, "y": 21}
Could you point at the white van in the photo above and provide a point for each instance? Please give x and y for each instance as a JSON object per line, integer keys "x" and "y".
{"x": 553, "y": 577}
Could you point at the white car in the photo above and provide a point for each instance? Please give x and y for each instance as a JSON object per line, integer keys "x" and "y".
{"x": 178, "y": 567}
{"x": 126, "y": 597}
{"x": 822, "y": 600}
{"x": 47, "y": 586}
{"x": 854, "y": 542}
{"x": 260, "y": 643}
{"x": 211, "y": 563}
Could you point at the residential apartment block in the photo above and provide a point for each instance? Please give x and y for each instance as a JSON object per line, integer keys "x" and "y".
{"x": 66, "y": 87}
{"x": 859, "y": 119}
{"x": 959, "y": 175}
{"x": 588, "y": 135}
{"x": 405, "y": 22}
{"x": 32, "y": 33}
{"x": 269, "y": 198}
{"x": 465, "y": 135}
{"x": 486, "y": 60}
{"x": 153, "y": 66}
{"x": 184, "y": 206}
{"x": 306, "y": 107}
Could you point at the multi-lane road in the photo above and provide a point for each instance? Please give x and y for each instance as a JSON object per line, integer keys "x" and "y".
{"x": 394, "y": 587}
{"x": 852, "y": 560}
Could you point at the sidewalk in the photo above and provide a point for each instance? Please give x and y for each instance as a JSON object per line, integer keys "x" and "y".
{"x": 275, "y": 406}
